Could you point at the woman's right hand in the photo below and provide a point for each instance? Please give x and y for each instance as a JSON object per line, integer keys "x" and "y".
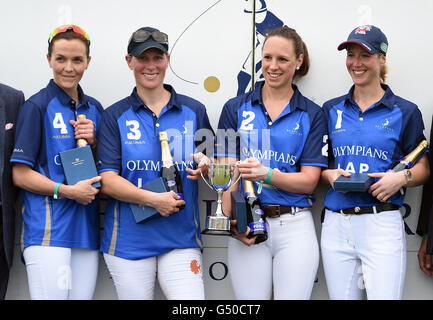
{"x": 82, "y": 191}
{"x": 166, "y": 203}
{"x": 202, "y": 167}
{"x": 330, "y": 175}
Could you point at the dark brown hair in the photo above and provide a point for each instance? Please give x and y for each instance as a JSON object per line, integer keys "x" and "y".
{"x": 69, "y": 35}
{"x": 300, "y": 47}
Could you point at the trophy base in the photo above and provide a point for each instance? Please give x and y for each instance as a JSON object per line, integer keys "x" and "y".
{"x": 217, "y": 225}
{"x": 216, "y": 232}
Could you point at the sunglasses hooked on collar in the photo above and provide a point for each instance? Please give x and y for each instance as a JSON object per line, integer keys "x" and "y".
{"x": 143, "y": 35}
{"x": 66, "y": 28}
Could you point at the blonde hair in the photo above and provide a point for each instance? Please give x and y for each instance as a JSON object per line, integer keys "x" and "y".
{"x": 383, "y": 71}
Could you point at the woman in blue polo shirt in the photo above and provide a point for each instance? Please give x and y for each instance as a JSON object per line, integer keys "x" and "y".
{"x": 168, "y": 246}
{"x": 281, "y": 144}
{"x": 370, "y": 130}
{"x": 60, "y": 228}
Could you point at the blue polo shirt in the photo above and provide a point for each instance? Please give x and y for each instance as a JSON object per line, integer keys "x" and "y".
{"x": 43, "y": 130}
{"x": 371, "y": 141}
{"x": 296, "y": 138}
{"x": 129, "y": 144}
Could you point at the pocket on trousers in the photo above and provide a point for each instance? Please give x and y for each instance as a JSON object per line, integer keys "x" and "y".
{"x": 329, "y": 219}
{"x": 387, "y": 219}
{"x": 387, "y": 225}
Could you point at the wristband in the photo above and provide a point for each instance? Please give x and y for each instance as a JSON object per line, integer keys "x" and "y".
{"x": 425, "y": 236}
{"x": 268, "y": 179}
{"x": 56, "y": 188}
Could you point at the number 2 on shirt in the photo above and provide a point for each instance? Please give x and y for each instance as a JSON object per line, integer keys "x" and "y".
{"x": 246, "y": 124}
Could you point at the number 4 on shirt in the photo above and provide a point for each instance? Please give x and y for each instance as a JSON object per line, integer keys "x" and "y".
{"x": 58, "y": 123}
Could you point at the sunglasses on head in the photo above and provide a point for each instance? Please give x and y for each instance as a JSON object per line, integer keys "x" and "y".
{"x": 143, "y": 35}
{"x": 66, "y": 28}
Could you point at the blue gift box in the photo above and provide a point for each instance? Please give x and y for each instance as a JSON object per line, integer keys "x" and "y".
{"x": 357, "y": 182}
{"x": 239, "y": 210}
{"x": 145, "y": 213}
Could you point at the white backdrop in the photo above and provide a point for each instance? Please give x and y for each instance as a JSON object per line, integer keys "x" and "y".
{"x": 213, "y": 38}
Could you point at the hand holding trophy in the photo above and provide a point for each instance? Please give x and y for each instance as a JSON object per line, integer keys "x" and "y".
{"x": 220, "y": 178}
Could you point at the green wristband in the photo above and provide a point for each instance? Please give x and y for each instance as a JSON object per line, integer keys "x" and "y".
{"x": 268, "y": 179}
{"x": 425, "y": 236}
{"x": 56, "y": 189}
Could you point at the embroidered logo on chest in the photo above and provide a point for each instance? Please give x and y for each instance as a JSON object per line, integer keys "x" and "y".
{"x": 385, "y": 125}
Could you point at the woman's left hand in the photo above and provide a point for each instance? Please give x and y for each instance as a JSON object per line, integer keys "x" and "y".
{"x": 84, "y": 129}
{"x": 253, "y": 170}
{"x": 242, "y": 237}
{"x": 389, "y": 183}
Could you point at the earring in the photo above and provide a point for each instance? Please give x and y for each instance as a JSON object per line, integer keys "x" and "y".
{"x": 297, "y": 68}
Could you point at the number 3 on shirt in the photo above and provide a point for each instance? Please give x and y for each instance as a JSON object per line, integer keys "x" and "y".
{"x": 133, "y": 126}
{"x": 58, "y": 123}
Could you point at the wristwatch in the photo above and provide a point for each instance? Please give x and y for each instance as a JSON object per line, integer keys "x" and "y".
{"x": 408, "y": 175}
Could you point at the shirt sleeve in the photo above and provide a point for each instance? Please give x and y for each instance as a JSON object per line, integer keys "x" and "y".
{"x": 414, "y": 132}
{"x": 109, "y": 151}
{"x": 315, "y": 152}
{"x": 28, "y": 134}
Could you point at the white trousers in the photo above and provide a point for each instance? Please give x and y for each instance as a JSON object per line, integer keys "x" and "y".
{"x": 287, "y": 262}
{"x": 179, "y": 273}
{"x": 365, "y": 251}
{"x": 56, "y": 273}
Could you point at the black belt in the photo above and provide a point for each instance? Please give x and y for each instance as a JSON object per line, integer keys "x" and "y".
{"x": 364, "y": 210}
{"x": 275, "y": 210}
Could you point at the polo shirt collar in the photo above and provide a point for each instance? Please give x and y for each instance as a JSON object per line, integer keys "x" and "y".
{"x": 296, "y": 102}
{"x": 64, "y": 98}
{"x": 388, "y": 99}
{"x": 137, "y": 103}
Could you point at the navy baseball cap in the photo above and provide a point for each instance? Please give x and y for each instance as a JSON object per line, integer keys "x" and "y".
{"x": 146, "y": 38}
{"x": 371, "y": 38}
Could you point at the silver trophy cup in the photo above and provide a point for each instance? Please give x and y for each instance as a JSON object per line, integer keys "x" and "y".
{"x": 220, "y": 178}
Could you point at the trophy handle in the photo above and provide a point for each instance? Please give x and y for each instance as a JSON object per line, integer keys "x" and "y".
{"x": 240, "y": 174}
{"x": 205, "y": 180}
